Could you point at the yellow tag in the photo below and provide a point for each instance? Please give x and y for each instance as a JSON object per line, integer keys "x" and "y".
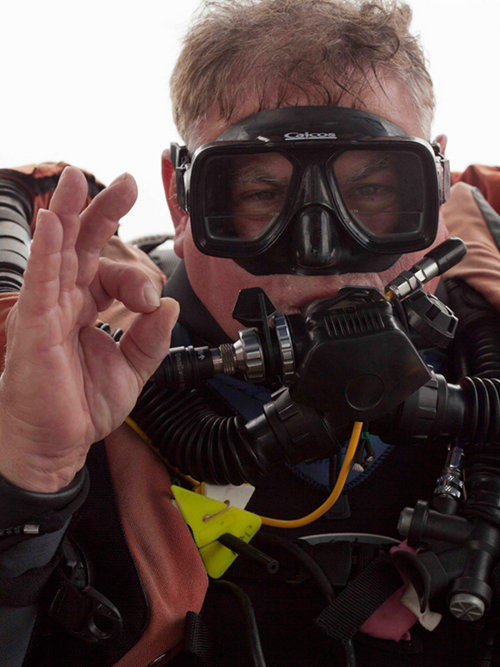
{"x": 208, "y": 520}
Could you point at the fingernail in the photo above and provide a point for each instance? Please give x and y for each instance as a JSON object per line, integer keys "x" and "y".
{"x": 121, "y": 177}
{"x": 151, "y": 296}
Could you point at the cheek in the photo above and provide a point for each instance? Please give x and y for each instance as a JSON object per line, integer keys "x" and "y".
{"x": 216, "y": 282}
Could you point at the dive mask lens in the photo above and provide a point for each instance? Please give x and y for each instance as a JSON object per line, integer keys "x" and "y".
{"x": 245, "y": 195}
{"x": 380, "y": 194}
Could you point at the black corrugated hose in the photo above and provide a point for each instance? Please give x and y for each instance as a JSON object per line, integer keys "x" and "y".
{"x": 16, "y": 210}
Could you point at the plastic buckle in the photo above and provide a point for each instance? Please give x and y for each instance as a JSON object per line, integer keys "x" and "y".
{"x": 85, "y": 613}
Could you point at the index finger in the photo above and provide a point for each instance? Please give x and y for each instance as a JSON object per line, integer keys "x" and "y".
{"x": 99, "y": 222}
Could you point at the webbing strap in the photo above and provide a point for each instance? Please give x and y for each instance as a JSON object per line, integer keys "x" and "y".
{"x": 197, "y": 641}
{"x": 359, "y": 599}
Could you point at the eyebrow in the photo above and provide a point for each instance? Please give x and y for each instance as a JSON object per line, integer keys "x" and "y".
{"x": 256, "y": 175}
{"x": 372, "y": 166}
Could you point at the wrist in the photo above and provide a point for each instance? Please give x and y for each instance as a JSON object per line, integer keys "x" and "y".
{"x": 18, "y": 505}
{"x": 34, "y": 477}
{"x": 24, "y": 514}
{"x": 32, "y": 464}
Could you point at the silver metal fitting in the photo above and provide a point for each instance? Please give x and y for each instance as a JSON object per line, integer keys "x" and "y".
{"x": 249, "y": 355}
{"x": 286, "y": 348}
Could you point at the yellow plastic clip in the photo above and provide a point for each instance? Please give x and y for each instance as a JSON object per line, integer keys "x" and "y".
{"x": 208, "y": 520}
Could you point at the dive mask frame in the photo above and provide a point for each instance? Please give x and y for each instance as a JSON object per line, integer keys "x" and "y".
{"x": 296, "y": 133}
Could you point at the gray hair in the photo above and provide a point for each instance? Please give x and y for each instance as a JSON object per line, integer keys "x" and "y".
{"x": 280, "y": 49}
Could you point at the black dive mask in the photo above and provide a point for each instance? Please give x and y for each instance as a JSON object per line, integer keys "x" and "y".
{"x": 312, "y": 191}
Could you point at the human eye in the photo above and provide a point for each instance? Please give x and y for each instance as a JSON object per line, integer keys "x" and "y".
{"x": 371, "y": 196}
{"x": 366, "y": 180}
{"x": 261, "y": 195}
{"x": 257, "y": 198}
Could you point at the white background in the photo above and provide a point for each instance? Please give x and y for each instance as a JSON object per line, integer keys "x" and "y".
{"x": 87, "y": 82}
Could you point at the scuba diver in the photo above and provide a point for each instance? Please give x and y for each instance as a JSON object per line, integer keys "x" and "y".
{"x": 286, "y": 485}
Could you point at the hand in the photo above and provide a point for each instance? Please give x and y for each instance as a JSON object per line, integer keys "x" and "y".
{"x": 66, "y": 383}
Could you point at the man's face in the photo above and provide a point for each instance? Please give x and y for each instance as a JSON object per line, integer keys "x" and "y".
{"x": 259, "y": 187}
